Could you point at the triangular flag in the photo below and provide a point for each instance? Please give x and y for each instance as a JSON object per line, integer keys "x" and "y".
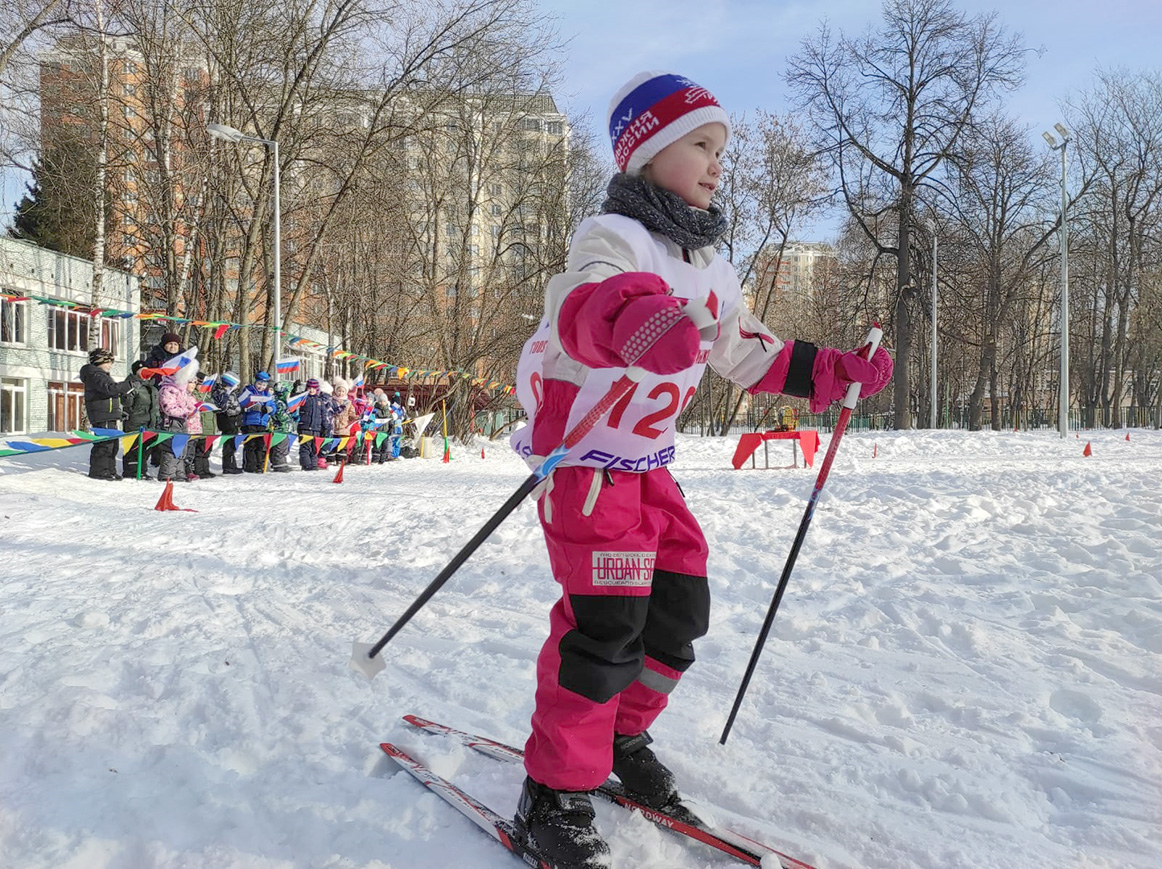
{"x": 178, "y": 444}
{"x": 339, "y": 476}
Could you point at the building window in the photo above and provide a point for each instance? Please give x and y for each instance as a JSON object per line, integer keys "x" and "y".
{"x": 497, "y": 210}
{"x": 555, "y": 128}
{"x": 66, "y": 404}
{"x": 494, "y": 190}
{"x": 13, "y": 322}
{"x": 69, "y": 331}
{"x": 13, "y": 406}
{"x": 111, "y": 336}
{"x": 530, "y": 124}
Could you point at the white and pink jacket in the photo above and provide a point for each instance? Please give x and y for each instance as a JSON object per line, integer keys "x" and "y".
{"x": 638, "y": 434}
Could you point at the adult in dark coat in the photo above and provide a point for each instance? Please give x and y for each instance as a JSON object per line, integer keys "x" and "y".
{"x": 164, "y": 350}
{"x": 142, "y": 412}
{"x": 103, "y": 408}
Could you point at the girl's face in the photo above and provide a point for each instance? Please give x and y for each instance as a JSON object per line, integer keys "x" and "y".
{"x": 690, "y": 167}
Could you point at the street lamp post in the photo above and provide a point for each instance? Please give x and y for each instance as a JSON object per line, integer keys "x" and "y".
{"x": 229, "y": 134}
{"x": 1063, "y": 410}
{"x": 932, "y": 413}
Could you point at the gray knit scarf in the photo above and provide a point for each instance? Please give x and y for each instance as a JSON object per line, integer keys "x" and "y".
{"x": 663, "y": 212}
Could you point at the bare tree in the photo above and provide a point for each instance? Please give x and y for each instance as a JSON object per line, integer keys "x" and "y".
{"x": 999, "y": 200}
{"x": 774, "y": 183}
{"x": 1118, "y": 129}
{"x": 20, "y": 20}
{"x": 889, "y": 108}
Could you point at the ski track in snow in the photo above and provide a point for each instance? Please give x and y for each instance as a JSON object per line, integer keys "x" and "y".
{"x": 966, "y": 670}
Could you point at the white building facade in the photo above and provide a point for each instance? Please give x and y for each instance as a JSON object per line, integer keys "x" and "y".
{"x": 43, "y": 345}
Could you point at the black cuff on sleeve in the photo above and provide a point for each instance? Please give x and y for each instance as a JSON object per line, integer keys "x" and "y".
{"x": 799, "y": 381}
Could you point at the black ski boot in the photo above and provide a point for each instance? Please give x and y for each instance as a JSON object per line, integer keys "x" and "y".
{"x": 559, "y": 824}
{"x": 644, "y": 777}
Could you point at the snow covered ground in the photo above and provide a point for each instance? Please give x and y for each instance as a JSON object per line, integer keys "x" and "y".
{"x": 965, "y": 672}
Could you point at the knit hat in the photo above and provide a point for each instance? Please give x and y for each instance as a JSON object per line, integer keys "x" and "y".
{"x": 186, "y": 373}
{"x": 654, "y": 109}
{"x": 99, "y": 356}
{"x": 261, "y": 376}
{"x": 313, "y": 383}
{"x": 170, "y": 338}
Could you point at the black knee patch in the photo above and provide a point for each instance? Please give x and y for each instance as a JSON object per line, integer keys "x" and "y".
{"x": 679, "y": 614}
{"x": 604, "y": 655}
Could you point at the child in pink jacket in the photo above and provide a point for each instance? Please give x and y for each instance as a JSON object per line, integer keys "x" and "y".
{"x": 629, "y": 555}
{"x": 178, "y": 407}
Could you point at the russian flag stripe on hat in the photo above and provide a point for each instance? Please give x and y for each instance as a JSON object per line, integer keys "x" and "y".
{"x": 654, "y": 109}
{"x": 638, "y": 100}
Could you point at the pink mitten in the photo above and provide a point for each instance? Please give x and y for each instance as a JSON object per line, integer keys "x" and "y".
{"x": 835, "y": 370}
{"x": 653, "y": 333}
{"x": 628, "y": 319}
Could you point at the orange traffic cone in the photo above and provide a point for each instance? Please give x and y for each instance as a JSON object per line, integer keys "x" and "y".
{"x": 1127, "y": 437}
{"x": 1088, "y": 450}
{"x": 339, "y": 476}
{"x": 165, "y": 502}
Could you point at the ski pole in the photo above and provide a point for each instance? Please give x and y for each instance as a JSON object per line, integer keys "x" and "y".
{"x": 364, "y": 657}
{"x": 849, "y": 400}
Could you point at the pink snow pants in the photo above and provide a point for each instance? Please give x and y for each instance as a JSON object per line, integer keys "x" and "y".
{"x": 631, "y": 561}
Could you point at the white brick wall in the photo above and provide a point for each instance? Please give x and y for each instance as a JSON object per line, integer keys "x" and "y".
{"x": 28, "y": 270}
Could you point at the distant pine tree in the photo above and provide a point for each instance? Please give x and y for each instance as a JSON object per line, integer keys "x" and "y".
{"x": 57, "y": 210}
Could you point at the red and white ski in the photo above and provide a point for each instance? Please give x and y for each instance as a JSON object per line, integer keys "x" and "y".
{"x": 485, "y": 818}
{"x": 684, "y": 821}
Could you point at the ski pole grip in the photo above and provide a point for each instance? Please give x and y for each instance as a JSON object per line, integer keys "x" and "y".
{"x": 874, "y": 335}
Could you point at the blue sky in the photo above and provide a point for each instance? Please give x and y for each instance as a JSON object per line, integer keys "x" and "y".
{"x": 739, "y": 48}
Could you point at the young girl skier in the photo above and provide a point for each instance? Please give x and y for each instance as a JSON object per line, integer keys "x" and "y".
{"x": 629, "y": 556}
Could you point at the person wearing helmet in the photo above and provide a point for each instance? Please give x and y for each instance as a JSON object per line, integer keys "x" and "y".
{"x": 103, "y": 397}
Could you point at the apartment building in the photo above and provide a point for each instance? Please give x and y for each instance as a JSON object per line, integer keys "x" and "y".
{"x": 480, "y": 190}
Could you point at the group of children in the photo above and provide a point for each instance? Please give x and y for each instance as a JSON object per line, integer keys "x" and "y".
{"x": 172, "y": 396}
